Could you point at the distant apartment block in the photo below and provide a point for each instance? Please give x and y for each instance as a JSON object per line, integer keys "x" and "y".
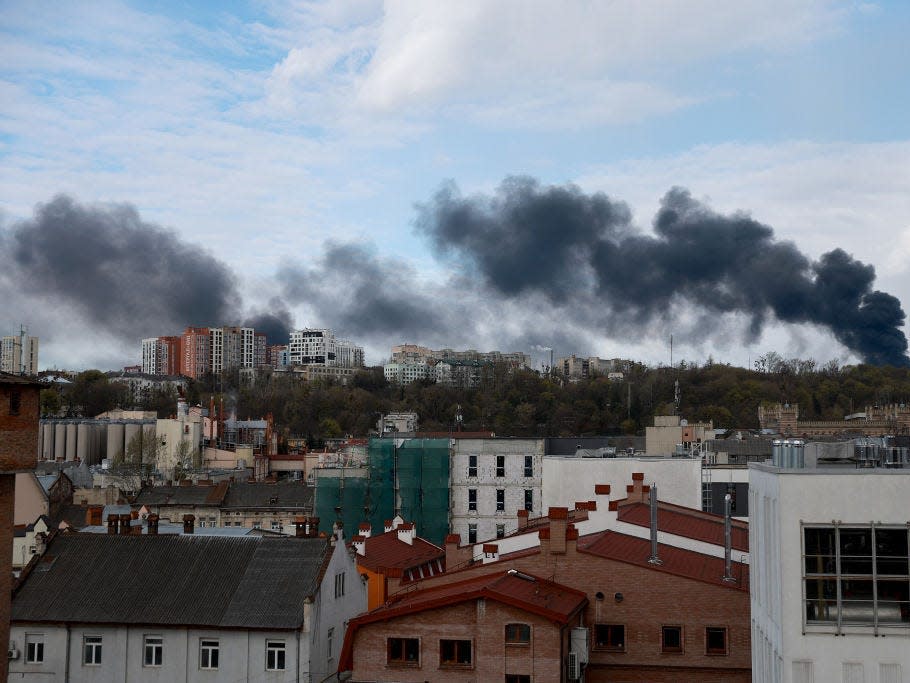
{"x": 19, "y": 354}
{"x": 574, "y": 367}
{"x": 202, "y": 350}
{"x": 320, "y": 347}
{"x": 410, "y": 363}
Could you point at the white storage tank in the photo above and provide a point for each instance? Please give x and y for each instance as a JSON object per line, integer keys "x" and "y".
{"x": 83, "y": 440}
{"x": 131, "y": 430}
{"x": 47, "y": 441}
{"x": 115, "y": 442}
{"x": 71, "y": 441}
{"x": 60, "y": 441}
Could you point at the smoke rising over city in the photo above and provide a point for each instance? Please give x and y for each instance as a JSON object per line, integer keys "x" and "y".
{"x": 527, "y": 265}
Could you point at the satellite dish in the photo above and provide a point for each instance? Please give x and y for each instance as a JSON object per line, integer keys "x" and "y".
{"x": 683, "y": 423}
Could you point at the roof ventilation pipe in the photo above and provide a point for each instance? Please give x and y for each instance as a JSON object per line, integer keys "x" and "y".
{"x": 652, "y": 499}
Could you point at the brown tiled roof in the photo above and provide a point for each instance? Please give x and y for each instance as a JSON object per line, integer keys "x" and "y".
{"x": 183, "y": 495}
{"x": 8, "y": 378}
{"x": 677, "y": 561}
{"x": 553, "y": 601}
{"x": 385, "y": 551}
{"x": 681, "y": 521}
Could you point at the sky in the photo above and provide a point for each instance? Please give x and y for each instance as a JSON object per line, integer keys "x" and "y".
{"x": 591, "y": 177}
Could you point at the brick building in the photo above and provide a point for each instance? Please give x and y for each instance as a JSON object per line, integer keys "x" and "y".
{"x": 19, "y": 411}
{"x": 480, "y": 629}
{"x": 683, "y": 617}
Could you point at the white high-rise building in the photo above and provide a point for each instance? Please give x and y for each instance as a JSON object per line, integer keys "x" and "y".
{"x": 320, "y": 347}
{"x": 19, "y": 354}
{"x": 830, "y": 575}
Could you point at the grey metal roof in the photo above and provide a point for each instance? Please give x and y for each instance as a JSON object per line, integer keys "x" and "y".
{"x": 211, "y": 581}
{"x": 261, "y": 495}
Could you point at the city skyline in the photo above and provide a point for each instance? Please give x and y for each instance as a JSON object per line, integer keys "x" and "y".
{"x": 298, "y": 165}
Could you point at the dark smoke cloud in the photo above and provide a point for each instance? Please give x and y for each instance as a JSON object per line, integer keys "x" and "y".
{"x": 276, "y": 322}
{"x": 126, "y": 276}
{"x": 568, "y": 246}
{"x": 358, "y": 294}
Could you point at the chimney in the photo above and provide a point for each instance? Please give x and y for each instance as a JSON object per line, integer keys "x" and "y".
{"x": 93, "y": 515}
{"x": 113, "y": 524}
{"x": 559, "y": 519}
{"x": 188, "y": 523}
{"x": 490, "y": 552}
{"x": 300, "y": 526}
{"x": 360, "y": 545}
{"x": 522, "y": 519}
{"x": 365, "y": 529}
{"x": 387, "y": 526}
{"x": 455, "y": 556}
{"x": 153, "y": 524}
{"x": 652, "y": 497}
{"x": 124, "y": 524}
{"x": 636, "y": 492}
{"x": 312, "y": 527}
{"x": 728, "y": 539}
{"x": 406, "y": 533}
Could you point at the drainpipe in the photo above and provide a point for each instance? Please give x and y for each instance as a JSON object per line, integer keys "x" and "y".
{"x": 728, "y": 539}
{"x": 652, "y": 499}
{"x": 66, "y": 675}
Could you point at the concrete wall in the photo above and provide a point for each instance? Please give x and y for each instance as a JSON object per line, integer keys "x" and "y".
{"x": 781, "y": 501}
{"x": 567, "y": 480}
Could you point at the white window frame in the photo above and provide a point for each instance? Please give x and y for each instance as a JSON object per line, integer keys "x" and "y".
{"x": 207, "y": 648}
{"x": 34, "y": 648}
{"x": 152, "y": 651}
{"x": 339, "y": 585}
{"x": 275, "y": 655}
{"x": 91, "y": 650}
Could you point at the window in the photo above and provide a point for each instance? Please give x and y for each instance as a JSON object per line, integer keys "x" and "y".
{"x": 257, "y": 525}
{"x": 716, "y": 640}
{"x": 274, "y": 655}
{"x": 610, "y": 637}
{"x": 529, "y": 466}
{"x": 15, "y": 401}
{"x": 472, "y": 499}
{"x": 856, "y": 575}
{"x": 671, "y": 639}
{"x": 339, "y": 584}
{"x": 208, "y": 654}
{"x": 455, "y": 653}
{"x": 472, "y": 465}
{"x": 518, "y": 678}
{"x": 34, "y": 648}
{"x": 472, "y": 533}
{"x": 91, "y": 650}
{"x": 529, "y": 499}
{"x": 500, "y": 500}
{"x": 329, "y": 641}
{"x": 403, "y": 651}
{"x": 500, "y": 530}
{"x": 518, "y": 634}
{"x": 500, "y": 465}
{"x": 153, "y": 651}
{"x": 276, "y": 525}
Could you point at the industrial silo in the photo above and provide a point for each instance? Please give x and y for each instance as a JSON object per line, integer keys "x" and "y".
{"x": 47, "y": 441}
{"x": 83, "y": 440}
{"x": 71, "y": 441}
{"x": 132, "y": 430}
{"x": 60, "y": 441}
{"x": 115, "y": 442}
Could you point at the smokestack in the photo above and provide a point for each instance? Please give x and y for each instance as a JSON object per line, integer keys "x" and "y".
{"x": 652, "y": 498}
{"x": 113, "y": 523}
{"x": 153, "y": 524}
{"x": 300, "y": 526}
{"x": 124, "y": 524}
{"x": 728, "y": 538}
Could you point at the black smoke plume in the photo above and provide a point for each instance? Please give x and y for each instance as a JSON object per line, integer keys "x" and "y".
{"x": 126, "y": 276}
{"x": 565, "y": 245}
{"x": 275, "y": 323}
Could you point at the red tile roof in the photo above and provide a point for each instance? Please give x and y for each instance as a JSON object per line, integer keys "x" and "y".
{"x": 694, "y": 524}
{"x": 550, "y": 600}
{"x": 385, "y": 551}
{"x": 678, "y": 561}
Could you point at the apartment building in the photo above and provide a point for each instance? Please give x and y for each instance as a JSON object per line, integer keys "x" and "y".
{"x": 490, "y": 480}
{"x": 19, "y": 354}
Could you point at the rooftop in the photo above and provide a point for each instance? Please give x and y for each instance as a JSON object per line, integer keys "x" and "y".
{"x": 183, "y": 495}
{"x": 386, "y": 551}
{"x": 681, "y": 521}
{"x": 248, "y": 582}
{"x": 264, "y": 495}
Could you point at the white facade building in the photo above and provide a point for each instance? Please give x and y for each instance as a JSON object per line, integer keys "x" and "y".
{"x": 19, "y": 354}
{"x": 405, "y": 373}
{"x": 312, "y": 347}
{"x": 491, "y": 479}
{"x": 830, "y": 585}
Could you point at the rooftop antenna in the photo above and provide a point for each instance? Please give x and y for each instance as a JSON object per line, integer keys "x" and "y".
{"x": 671, "y": 350}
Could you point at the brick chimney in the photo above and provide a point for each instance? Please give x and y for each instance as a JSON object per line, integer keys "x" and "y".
{"x": 637, "y": 492}
{"x": 113, "y": 524}
{"x": 406, "y": 533}
{"x": 559, "y": 518}
{"x": 93, "y": 515}
{"x": 124, "y": 524}
{"x": 456, "y": 556}
{"x": 490, "y": 552}
{"x": 300, "y": 524}
{"x": 152, "y": 520}
{"x": 360, "y": 545}
{"x": 189, "y": 524}
{"x": 522, "y": 519}
{"x": 312, "y": 527}
{"x": 387, "y": 526}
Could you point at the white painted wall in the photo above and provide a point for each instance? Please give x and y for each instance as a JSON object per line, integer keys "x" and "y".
{"x": 783, "y": 648}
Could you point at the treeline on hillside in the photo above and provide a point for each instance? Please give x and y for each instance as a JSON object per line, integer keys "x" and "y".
{"x": 523, "y": 403}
